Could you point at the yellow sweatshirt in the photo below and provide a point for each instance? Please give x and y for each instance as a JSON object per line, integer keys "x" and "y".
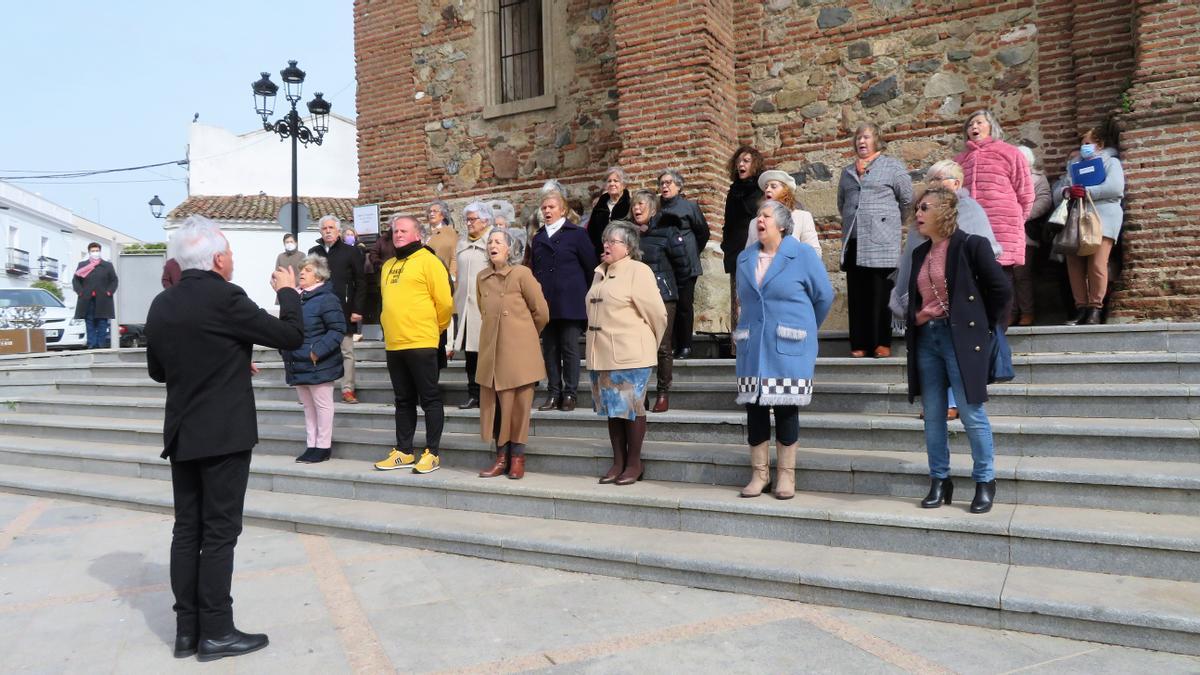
{"x": 416, "y": 301}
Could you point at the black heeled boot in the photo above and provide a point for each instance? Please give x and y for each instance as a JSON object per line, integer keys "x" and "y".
{"x": 940, "y": 490}
{"x": 985, "y": 493}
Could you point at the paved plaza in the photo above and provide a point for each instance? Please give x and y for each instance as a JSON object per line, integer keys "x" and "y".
{"x": 84, "y": 589}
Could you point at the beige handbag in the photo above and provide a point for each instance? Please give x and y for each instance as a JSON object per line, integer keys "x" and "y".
{"x": 1091, "y": 230}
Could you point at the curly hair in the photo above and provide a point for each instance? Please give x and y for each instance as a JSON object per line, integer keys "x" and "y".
{"x": 945, "y": 218}
{"x": 757, "y": 163}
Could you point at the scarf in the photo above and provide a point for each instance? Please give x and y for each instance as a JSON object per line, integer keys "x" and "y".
{"x": 409, "y": 249}
{"x": 84, "y": 271}
{"x": 310, "y": 289}
{"x": 861, "y": 164}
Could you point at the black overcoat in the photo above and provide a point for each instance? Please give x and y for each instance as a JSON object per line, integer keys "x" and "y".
{"x": 100, "y": 284}
{"x": 600, "y": 219}
{"x": 345, "y": 275}
{"x": 201, "y": 332}
{"x": 979, "y": 293}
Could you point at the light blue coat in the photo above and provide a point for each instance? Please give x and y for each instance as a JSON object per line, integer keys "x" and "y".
{"x": 776, "y": 333}
{"x": 1107, "y": 196}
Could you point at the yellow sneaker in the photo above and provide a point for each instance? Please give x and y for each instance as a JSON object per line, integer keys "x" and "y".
{"x": 428, "y": 464}
{"x": 397, "y": 460}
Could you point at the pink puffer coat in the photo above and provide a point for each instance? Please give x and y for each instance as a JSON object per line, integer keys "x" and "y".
{"x": 997, "y": 176}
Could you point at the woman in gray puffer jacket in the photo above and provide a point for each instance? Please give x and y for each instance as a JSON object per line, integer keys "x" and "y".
{"x": 313, "y": 368}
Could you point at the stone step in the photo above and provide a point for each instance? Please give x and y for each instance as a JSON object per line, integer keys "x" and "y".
{"x": 1157, "y": 401}
{"x": 1115, "y": 609}
{"x": 1098, "y": 438}
{"x": 1157, "y": 546}
{"x": 1128, "y": 485}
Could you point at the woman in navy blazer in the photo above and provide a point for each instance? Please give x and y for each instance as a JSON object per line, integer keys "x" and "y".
{"x": 563, "y": 261}
{"x": 957, "y": 293}
{"x": 785, "y": 295}
{"x": 317, "y": 363}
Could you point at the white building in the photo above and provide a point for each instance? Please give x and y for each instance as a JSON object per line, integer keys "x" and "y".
{"x": 86, "y": 232}
{"x": 37, "y": 235}
{"x": 242, "y": 181}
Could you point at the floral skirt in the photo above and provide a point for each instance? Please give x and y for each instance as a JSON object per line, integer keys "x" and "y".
{"x": 620, "y": 393}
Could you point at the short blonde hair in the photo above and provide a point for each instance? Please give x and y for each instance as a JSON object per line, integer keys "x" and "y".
{"x": 947, "y": 168}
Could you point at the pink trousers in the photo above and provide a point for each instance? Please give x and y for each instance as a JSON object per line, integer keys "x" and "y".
{"x": 318, "y": 413}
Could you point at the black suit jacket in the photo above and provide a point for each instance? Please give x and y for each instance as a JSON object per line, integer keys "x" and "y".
{"x": 201, "y": 332}
{"x": 979, "y": 294}
{"x": 345, "y": 275}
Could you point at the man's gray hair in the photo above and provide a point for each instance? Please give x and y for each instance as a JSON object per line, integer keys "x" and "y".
{"x": 422, "y": 228}
{"x": 997, "y": 132}
{"x": 318, "y": 264}
{"x": 327, "y": 218}
{"x": 481, "y": 210}
{"x": 629, "y": 235}
{"x": 620, "y": 174}
{"x": 515, "y": 238}
{"x": 675, "y": 176}
{"x": 783, "y": 217}
{"x": 196, "y": 243}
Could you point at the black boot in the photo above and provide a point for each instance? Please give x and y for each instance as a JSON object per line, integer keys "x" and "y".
{"x": 185, "y": 645}
{"x": 984, "y": 494}
{"x": 307, "y": 456}
{"x": 1077, "y": 318}
{"x": 234, "y": 644}
{"x": 940, "y": 490}
{"x": 1092, "y": 317}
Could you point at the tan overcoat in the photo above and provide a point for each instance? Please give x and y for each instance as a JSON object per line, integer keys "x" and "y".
{"x": 626, "y": 317}
{"x": 512, "y": 314}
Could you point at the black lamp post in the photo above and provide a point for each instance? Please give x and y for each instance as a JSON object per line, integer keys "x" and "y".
{"x": 290, "y": 125}
{"x": 156, "y": 207}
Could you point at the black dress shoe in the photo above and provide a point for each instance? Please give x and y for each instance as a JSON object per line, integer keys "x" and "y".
{"x": 940, "y": 490}
{"x": 1093, "y": 317}
{"x": 185, "y": 646}
{"x": 984, "y": 494}
{"x": 550, "y": 404}
{"x": 568, "y": 403}
{"x": 1077, "y": 318}
{"x": 234, "y": 644}
{"x": 307, "y": 456}
{"x": 683, "y": 353}
{"x": 471, "y": 403}
{"x": 320, "y": 455}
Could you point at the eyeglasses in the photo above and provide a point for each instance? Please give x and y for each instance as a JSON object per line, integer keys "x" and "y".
{"x": 926, "y": 207}
{"x": 473, "y": 219}
{"x": 615, "y": 241}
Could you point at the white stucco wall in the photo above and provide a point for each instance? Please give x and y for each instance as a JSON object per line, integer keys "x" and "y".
{"x": 224, "y": 163}
{"x": 255, "y": 246}
{"x": 39, "y": 227}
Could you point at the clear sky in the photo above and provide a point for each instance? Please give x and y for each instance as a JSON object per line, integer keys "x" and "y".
{"x": 98, "y": 85}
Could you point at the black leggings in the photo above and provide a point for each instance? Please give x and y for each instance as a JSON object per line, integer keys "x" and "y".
{"x": 758, "y": 424}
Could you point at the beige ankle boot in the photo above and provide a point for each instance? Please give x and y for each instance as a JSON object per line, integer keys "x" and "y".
{"x": 785, "y": 472}
{"x": 760, "y": 477}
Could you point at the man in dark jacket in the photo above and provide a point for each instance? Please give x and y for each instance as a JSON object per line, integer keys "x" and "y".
{"x": 201, "y": 333}
{"x": 670, "y": 184}
{"x": 346, "y": 266}
{"x": 95, "y": 282}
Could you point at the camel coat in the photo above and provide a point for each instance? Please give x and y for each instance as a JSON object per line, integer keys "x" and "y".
{"x": 512, "y": 312}
{"x": 626, "y": 317}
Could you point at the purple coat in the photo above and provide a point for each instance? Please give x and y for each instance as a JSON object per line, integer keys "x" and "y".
{"x": 563, "y": 265}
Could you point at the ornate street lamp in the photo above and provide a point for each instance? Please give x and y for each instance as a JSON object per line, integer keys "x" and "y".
{"x": 156, "y": 207}
{"x": 291, "y": 126}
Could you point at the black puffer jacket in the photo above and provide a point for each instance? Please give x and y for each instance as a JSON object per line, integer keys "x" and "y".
{"x": 664, "y": 251}
{"x": 691, "y": 220}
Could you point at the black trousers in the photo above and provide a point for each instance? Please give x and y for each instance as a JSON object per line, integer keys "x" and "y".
{"x": 209, "y": 496}
{"x": 867, "y": 293}
{"x": 414, "y": 375}
{"x": 758, "y": 424}
{"x": 560, "y": 351}
{"x": 685, "y": 314}
{"x": 472, "y": 365}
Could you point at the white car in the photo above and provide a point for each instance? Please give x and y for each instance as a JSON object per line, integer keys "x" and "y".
{"x": 63, "y": 330}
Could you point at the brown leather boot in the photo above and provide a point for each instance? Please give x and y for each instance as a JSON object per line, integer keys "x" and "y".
{"x": 785, "y": 471}
{"x": 500, "y": 466}
{"x": 662, "y": 403}
{"x": 616, "y": 436}
{"x": 635, "y": 433}
{"x": 550, "y": 404}
{"x": 516, "y": 466}
{"x": 760, "y": 465}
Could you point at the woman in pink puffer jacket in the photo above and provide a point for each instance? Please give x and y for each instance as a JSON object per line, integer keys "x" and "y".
{"x": 997, "y": 176}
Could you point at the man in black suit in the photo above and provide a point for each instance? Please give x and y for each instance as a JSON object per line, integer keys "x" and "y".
{"x": 349, "y": 285}
{"x": 201, "y": 332}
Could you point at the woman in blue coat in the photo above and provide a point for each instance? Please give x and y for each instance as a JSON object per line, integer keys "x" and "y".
{"x": 957, "y": 294}
{"x": 317, "y": 364}
{"x": 785, "y": 295}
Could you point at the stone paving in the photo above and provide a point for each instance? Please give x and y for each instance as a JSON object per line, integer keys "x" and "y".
{"x": 83, "y": 589}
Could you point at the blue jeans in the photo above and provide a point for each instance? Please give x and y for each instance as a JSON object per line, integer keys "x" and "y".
{"x": 938, "y": 368}
{"x": 97, "y": 329}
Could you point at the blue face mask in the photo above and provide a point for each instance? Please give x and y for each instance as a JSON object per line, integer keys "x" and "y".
{"x": 349, "y": 240}
{"x": 1087, "y": 150}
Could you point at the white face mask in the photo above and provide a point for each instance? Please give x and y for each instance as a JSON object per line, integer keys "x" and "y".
{"x": 94, "y": 255}
{"x": 289, "y": 247}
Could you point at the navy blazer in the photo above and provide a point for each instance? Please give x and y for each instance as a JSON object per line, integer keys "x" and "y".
{"x": 979, "y": 293}
{"x": 563, "y": 265}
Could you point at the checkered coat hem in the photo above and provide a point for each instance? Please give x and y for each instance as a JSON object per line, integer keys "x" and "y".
{"x": 774, "y": 391}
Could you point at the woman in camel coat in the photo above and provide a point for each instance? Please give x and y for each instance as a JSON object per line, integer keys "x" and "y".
{"x": 513, "y": 312}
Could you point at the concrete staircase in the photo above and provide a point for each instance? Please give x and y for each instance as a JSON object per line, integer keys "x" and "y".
{"x": 1096, "y": 534}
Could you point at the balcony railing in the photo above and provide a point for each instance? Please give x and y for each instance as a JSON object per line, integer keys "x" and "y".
{"x": 18, "y": 262}
{"x": 48, "y": 268}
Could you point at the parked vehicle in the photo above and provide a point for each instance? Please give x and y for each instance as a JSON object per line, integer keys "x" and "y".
{"x": 63, "y": 331}
{"x": 133, "y": 335}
